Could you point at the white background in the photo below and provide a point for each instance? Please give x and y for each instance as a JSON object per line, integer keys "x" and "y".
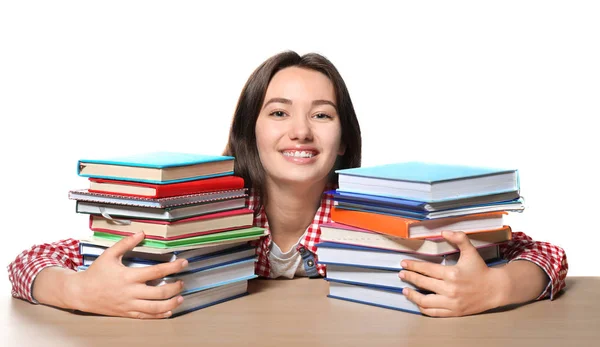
{"x": 504, "y": 83}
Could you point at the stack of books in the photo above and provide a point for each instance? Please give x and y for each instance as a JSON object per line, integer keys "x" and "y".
{"x": 188, "y": 205}
{"x": 385, "y": 214}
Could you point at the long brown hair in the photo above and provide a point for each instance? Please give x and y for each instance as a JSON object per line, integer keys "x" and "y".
{"x": 242, "y": 137}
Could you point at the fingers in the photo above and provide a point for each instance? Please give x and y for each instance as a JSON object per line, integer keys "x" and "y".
{"x": 161, "y": 270}
{"x": 460, "y": 239}
{"x": 125, "y": 244}
{"x": 159, "y": 293}
{"x": 425, "y": 268}
{"x": 423, "y": 282}
{"x": 157, "y": 307}
{"x": 430, "y": 304}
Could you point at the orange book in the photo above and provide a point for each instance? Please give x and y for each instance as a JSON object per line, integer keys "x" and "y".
{"x": 417, "y": 229}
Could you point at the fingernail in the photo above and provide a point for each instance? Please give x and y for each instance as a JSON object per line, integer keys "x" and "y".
{"x": 180, "y": 299}
{"x": 168, "y": 314}
{"x": 181, "y": 284}
{"x": 404, "y": 291}
{"x": 184, "y": 263}
{"x": 401, "y": 274}
{"x": 404, "y": 264}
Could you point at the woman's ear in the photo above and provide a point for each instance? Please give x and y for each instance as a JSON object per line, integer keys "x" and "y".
{"x": 342, "y": 149}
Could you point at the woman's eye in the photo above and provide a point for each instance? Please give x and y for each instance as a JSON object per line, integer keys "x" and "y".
{"x": 322, "y": 116}
{"x": 277, "y": 113}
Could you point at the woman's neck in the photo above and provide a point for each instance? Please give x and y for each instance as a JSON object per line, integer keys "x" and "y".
{"x": 290, "y": 210}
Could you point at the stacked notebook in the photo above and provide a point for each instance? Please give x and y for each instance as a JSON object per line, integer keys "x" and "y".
{"x": 385, "y": 214}
{"x": 188, "y": 205}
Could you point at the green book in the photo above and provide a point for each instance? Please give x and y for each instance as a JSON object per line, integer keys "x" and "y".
{"x": 191, "y": 241}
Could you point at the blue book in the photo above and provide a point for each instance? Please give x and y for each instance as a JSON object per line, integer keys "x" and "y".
{"x": 428, "y": 182}
{"x": 512, "y": 206}
{"x": 385, "y": 279}
{"x": 420, "y": 206}
{"x": 157, "y": 167}
{"x": 220, "y": 293}
{"x": 371, "y": 295}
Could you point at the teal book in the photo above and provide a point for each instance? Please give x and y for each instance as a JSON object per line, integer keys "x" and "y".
{"x": 157, "y": 167}
{"x": 428, "y": 182}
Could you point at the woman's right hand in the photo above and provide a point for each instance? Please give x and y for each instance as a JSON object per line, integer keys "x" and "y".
{"x": 108, "y": 287}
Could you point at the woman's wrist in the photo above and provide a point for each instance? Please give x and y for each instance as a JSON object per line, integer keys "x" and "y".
{"x": 59, "y": 287}
{"x": 502, "y": 287}
{"x": 72, "y": 289}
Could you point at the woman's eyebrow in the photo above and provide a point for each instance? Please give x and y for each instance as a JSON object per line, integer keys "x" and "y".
{"x": 289, "y": 102}
{"x": 279, "y": 100}
{"x": 324, "y": 102}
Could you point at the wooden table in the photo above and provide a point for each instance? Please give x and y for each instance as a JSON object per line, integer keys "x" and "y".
{"x": 297, "y": 313}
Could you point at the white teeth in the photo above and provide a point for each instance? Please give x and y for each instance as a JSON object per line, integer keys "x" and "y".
{"x": 298, "y": 154}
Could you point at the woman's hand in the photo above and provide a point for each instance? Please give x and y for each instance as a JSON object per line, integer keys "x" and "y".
{"x": 110, "y": 288}
{"x": 466, "y": 288}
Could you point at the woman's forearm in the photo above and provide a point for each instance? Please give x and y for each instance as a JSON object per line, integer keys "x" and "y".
{"x": 523, "y": 281}
{"x": 55, "y": 286}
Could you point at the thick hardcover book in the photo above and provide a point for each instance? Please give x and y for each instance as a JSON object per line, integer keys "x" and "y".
{"x": 86, "y": 195}
{"x": 342, "y": 254}
{"x": 201, "y": 262}
{"x": 212, "y": 296}
{"x": 413, "y": 228}
{"x": 157, "y": 167}
{"x": 196, "y": 280}
{"x": 386, "y": 279}
{"x": 149, "y": 190}
{"x": 183, "y": 228}
{"x": 372, "y": 295}
{"x": 428, "y": 182}
{"x": 340, "y": 233}
{"x": 176, "y": 244}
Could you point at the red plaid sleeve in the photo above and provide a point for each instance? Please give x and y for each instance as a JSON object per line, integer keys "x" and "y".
{"x": 23, "y": 270}
{"x": 550, "y": 258}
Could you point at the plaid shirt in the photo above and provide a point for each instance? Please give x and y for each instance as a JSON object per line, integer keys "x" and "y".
{"x": 65, "y": 253}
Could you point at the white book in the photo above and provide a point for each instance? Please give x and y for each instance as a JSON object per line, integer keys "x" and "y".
{"x": 341, "y": 254}
{"x": 166, "y": 214}
{"x": 339, "y": 233}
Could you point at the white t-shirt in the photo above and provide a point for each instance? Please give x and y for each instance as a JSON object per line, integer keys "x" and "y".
{"x": 287, "y": 264}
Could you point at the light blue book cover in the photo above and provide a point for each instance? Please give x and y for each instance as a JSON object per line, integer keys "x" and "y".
{"x": 422, "y": 172}
{"x": 156, "y": 160}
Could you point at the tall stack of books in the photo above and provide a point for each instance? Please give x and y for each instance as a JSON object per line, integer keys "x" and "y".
{"x": 188, "y": 205}
{"x": 385, "y": 214}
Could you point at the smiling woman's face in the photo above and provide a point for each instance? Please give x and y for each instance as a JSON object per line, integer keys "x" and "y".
{"x": 298, "y": 130}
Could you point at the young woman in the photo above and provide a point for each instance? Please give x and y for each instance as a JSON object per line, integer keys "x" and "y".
{"x": 293, "y": 126}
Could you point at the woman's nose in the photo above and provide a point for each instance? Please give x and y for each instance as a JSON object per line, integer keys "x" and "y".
{"x": 300, "y": 129}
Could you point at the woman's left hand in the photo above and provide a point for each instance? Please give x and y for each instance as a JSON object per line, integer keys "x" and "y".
{"x": 466, "y": 288}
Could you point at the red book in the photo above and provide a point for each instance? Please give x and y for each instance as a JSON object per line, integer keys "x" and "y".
{"x": 150, "y": 190}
